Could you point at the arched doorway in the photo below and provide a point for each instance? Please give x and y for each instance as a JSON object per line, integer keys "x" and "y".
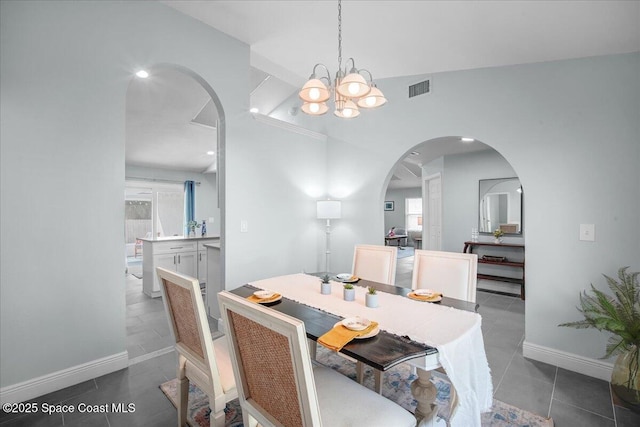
{"x": 175, "y": 133}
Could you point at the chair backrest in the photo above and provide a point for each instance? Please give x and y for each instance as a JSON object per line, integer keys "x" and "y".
{"x": 452, "y": 273}
{"x": 271, "y": 363}
{"x": 188, "y": 322}
{"x": 375, "y": 263}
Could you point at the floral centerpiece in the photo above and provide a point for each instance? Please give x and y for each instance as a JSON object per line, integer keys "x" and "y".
{"x": 619, "y": 315}
{"x": 497, "y": 234}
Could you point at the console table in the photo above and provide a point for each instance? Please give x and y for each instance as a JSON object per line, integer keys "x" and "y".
{"x": 468, "y": 248}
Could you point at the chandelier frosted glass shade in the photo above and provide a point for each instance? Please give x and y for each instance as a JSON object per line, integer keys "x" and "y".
{"x": 315, "y": 108}
{"x": 353, "y": 86}
{"x": 373, "y": 99}
{"x": 346, "y": 109}
{"x": 314, "y": 91}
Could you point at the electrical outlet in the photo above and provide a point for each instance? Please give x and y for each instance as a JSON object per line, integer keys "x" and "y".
{"x": 588, "y": 232}
{"x": 244, "y": 226}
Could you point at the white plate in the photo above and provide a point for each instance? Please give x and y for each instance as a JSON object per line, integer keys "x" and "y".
{"x": 434, "y": 298}
{"x": 424, "y": 292}
{"x": 347, "y": 278}
{"x": 373, "y": 332}
{"x": 264, "y": 294}
{"x": 356, "y": 323}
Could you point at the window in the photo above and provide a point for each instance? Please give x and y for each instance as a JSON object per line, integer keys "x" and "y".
{"x": 413, "y": 214}
{"x": 154, "y": 210}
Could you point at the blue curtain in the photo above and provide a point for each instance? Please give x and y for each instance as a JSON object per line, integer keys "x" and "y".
{"x": 189, "y": 203}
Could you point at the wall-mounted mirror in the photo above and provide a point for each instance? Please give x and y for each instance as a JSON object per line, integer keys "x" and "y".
{"x": 500, "y": 206}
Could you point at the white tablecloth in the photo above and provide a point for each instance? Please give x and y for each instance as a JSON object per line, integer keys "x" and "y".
{"x": 455, "y": 333}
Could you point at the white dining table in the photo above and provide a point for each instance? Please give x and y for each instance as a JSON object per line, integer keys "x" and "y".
{"x": 456, "y": 334}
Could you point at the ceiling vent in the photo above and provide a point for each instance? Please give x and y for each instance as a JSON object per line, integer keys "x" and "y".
{"x": 420, "y": 88}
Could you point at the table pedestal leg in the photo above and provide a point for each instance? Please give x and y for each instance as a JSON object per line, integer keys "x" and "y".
{"x": 425, "y": 393}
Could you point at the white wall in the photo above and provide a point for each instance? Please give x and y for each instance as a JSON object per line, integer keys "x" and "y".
{"x": 64, "y": 74}
{"x": 570, "y": 131}
{"x": 206, "y": 193}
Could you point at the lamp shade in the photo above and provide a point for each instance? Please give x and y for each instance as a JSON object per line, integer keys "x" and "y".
{"x": 373, "y": 99}
{"x": 353, "y": 86}
{"x": 314, "y": 108}
{"x": 314, "y": 91}
{"x": 347, "y": 110}
{"x": 329, "y": 209}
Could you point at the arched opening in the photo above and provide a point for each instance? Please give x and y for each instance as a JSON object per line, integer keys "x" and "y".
{"x": 175, "y": 132}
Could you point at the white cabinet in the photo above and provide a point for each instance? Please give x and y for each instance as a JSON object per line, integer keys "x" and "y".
{"x": 176, "y": 255}
{"x": 184, "y": 255}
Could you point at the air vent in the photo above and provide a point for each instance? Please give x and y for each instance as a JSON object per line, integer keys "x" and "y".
{"x": 419, "y": 88}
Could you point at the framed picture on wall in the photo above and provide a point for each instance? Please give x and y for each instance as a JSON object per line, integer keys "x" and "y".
{"x": 388, "y": 206}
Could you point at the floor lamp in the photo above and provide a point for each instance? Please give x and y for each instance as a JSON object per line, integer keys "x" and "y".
{"x": 328, "y": 209}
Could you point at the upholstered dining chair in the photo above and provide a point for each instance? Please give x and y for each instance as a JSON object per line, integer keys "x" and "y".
{"x": 375, "y": 263}
{"x": 452, "y": 273}
{"x": 278, "y": 384}
{"x": 201, "y": 360}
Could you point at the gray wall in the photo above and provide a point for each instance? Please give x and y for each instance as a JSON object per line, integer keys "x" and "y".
{"x": 395, "y": 218}
{"x": 64, "y": 75}
{"x": 574, "y": 144}
{"x": 63, "y": 79}
{"x": 206, "y": 192}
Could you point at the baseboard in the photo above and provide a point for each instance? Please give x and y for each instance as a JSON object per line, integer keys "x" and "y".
{"x": 61, "y": 379}
{"x": 584, "y": 365}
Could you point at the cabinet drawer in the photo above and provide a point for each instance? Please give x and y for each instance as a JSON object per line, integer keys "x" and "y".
{"x": 172, "y": 247}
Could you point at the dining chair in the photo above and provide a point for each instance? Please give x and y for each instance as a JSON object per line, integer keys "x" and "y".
{"x": 452, "y": 273}
{"x": 375, "y": 263}
{"x": 201, "y": 360}
{"x": 279, "y": 385}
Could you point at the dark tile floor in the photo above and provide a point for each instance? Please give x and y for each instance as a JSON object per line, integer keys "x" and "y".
{"x": 570, "y": 399}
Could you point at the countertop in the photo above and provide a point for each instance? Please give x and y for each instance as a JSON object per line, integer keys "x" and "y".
{"x": 176, "y": 238}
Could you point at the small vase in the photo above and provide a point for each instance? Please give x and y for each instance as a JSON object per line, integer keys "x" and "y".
{"x": 497, "y": 240}
{"x": 325, "y": 288}
{"x": 371, "y": 300}
{"x": 625, "y": 378}
{"x": 349, "y": 294}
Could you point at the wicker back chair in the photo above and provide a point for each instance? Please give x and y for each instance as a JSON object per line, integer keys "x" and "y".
{"x": 201, "y": 360}
{"x": 279, "y": 386}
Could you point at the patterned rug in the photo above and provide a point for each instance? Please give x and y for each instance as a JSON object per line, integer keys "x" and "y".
{"x": 396, "y": 386}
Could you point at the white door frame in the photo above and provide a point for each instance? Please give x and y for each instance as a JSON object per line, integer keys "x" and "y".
{"x": 426, "y": 218}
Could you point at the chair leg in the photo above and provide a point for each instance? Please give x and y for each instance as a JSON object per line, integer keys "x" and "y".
{"x": 183, "y": 391}
{"x": 217, "y": 417}
{"x": 313, "y": 349}
{"x": 377, "y": 376}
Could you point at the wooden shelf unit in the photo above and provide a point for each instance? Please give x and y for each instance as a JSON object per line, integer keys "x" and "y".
{"x": 468, "y": 248}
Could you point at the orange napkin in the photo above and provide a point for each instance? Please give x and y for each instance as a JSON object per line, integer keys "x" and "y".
{"x": 254, "y": 298}
{"x": 339, "y": 336}
{"x": 433, "y": 297}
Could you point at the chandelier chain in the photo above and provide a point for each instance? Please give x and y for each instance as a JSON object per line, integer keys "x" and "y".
{"x": 339, "y": 34}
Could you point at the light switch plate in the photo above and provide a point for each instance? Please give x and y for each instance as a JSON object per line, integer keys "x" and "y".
{"x": 211, "y": 220}
{"x": 244, "y": 226}
{"x": 588, "y": 232}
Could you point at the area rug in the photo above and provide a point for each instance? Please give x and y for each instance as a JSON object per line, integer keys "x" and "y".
{"x": 406, "y": 252}
{"x": 396, "y": 386}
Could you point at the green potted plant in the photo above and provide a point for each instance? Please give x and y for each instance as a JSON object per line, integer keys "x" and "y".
{"x": 619, "y": 315}
{"x": 371, "y": 298}
{"x": 325, "y": 285}
{"x": 191, "y": 225}
{"x": 349, "y": 293}
{"x": 497, "y": 234}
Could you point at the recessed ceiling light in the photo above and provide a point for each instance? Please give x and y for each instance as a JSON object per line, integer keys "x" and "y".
{"x": 142, "y": 74}
{"x": 253, "y": 110}
{"x": 467, "y": 139}
{"x": 211, "y": 153}
{"x": 415, "y": 153}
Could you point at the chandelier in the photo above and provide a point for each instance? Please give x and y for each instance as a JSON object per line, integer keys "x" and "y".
{"x": 350, "y": 88}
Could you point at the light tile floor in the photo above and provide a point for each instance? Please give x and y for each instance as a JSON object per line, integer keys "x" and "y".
{"x": 570, "y": 399}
